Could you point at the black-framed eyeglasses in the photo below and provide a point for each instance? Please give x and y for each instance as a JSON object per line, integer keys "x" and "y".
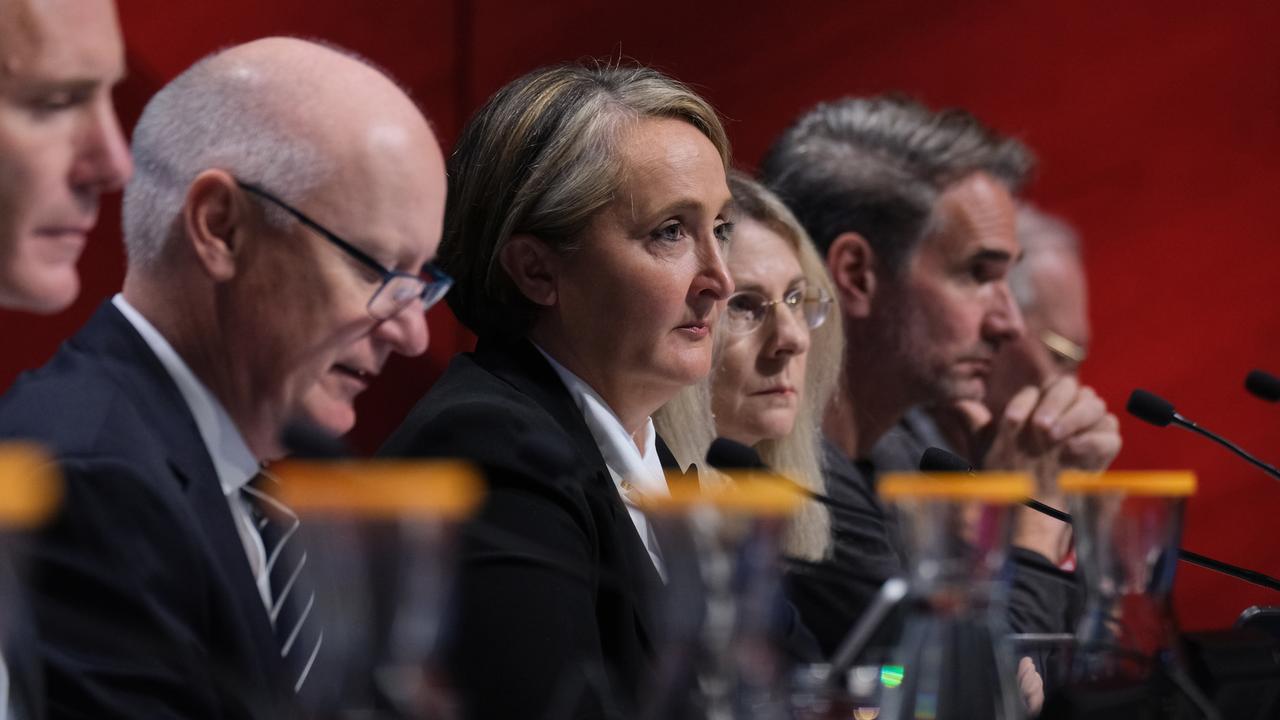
{"x": 746, "y": 310}
{"x": 398, "y": 289}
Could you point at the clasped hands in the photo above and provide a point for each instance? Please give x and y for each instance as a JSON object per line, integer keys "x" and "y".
{"x": 1061, "y": 425}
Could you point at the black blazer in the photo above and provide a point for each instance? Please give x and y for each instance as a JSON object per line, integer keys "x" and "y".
{"x": 143, "y": 597}
{"x": 554, "y": 612}
{"x": 17, "y": 634}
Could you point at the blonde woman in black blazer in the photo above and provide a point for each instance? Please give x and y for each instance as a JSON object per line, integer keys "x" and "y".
{"x": 586, "y": 223}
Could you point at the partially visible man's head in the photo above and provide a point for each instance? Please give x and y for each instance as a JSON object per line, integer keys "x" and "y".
{"x": 283, "y": 306}
{"x": 1049, "y": 286}
{"x": 60, "y": 142}
{"x": 914, "y": 212}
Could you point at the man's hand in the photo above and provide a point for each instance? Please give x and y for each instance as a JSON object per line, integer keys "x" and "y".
{"x": 1061, "y": 425}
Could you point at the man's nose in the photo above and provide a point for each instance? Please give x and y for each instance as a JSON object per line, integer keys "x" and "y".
{"x": 1003, "y": 320}
{"x": 103, "y": 162}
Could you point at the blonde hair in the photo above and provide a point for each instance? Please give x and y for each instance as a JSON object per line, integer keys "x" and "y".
{"x": 686, "y": 422}
{"x": 541, "y": 158}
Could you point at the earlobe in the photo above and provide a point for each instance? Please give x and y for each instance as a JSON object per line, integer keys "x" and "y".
{"x": 213, "y": 217}
{"x": 532, "y": 266}
{"x": 851, "y": 264}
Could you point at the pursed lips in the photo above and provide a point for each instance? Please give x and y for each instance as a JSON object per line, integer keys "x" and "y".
{"x": 776, "y": 390}
{"x": 696, "y": 328}
{"x": 65, "y": 229}
{"x": 80, "y": 225}
{"x": 67, "y": 234}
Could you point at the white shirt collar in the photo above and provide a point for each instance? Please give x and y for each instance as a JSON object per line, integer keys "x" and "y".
{"x": 625, "y": 461}
{"x": 632, "y": 471}
{"x": 232, "y": 459}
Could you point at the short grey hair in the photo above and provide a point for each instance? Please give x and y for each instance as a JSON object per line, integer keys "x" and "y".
{"x": 210, "y": 116}
{"x": 1038, "y": 234}
{"x": 876, "y": 166}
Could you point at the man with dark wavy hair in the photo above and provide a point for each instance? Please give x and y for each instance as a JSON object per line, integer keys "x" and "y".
{"x": 914, "y": 213}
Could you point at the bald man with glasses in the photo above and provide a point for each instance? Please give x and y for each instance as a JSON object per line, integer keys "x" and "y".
{"x": 277, "y": 256}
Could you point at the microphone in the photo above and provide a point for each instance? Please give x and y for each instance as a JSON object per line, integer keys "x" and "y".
{"x": 939, "y": 460}
{"x": 1263, "y": 385}
{"x": 1152, "y": 408}
{"x": 726, "y": 454}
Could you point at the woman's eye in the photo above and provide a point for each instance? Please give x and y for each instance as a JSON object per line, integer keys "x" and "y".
{"x": 724, "y": 232}
{"x": 745, "y": 304}
{"x": 668, "y": 233}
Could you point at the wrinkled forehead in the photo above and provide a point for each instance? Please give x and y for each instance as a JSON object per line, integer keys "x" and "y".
{"x": 761, "y": 258}
{"x": 663, "y": 159}
{"x": 60, "y": 41}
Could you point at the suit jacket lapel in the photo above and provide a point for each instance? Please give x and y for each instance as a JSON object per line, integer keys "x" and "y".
{"x": 162, "y": 405}
{"x": 521, "y": 365}
{"x": 210, "y": 507}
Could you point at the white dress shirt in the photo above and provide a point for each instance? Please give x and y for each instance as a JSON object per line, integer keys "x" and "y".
{"x": 632, "y": 471}
{"x": 234, "y": 464}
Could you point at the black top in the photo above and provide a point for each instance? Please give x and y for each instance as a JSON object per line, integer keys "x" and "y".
{"x": 868, "y": 550}
{"x": 554, "y": 613}
{"x": 142, "y": 594}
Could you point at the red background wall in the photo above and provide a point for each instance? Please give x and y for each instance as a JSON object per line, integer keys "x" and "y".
{"x": 1158, "y": 130}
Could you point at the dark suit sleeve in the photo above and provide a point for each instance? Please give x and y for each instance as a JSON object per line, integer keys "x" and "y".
{"x": 117, "y": 611}
{"x": 524, "y": 640}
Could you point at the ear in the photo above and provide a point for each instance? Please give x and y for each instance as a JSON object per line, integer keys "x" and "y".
{"x": 214, "y": 216}
{"x": 533, "y": 266}
{"x": 851, "y": 264}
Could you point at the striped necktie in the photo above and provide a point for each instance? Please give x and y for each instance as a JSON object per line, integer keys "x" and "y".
{"x": 297, "y": 632}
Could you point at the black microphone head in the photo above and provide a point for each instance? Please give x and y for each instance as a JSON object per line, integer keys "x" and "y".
{"x": 937, "y": 460}
{"x": 1149, "y": 407}
{"x": 307, "y": 441}
{"x": 1263, "y": 385}
{"x": 726, "y": 454}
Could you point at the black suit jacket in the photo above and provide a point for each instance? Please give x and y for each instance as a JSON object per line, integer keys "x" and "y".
{"x": 554, "y": 612}
{"x": 142, "y": 594}
{"x": 19, "y": 644}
